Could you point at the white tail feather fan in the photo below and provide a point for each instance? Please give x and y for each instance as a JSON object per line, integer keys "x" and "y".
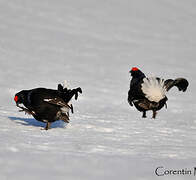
{"x": 153, "y": 89}
{"x": 65, "y": 84}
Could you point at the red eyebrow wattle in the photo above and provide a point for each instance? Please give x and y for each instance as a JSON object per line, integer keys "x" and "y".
{"x": 134, "y": 69}
{"x": 16, "y": 98}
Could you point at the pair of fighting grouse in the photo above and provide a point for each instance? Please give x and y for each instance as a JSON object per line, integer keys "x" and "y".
{"x": 48, "y": 105}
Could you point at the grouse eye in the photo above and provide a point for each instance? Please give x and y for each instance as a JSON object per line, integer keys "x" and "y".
{"x": 16, "y": 98}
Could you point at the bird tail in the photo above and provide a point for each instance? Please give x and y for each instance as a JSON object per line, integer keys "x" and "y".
{"x": 153, "y": 89}
{"x": 66, "y": 84}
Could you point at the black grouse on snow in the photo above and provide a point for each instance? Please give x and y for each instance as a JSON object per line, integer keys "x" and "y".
{"x": 149, "y": 93}
{"x": 47, "y": 105}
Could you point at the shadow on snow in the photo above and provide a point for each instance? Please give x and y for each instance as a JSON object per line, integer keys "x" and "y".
{"x": 34, "y": 122}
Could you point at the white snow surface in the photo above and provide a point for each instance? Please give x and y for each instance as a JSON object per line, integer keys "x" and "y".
{"x": 93, "y": 45}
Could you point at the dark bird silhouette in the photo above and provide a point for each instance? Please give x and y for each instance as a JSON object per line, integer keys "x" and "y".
{"x": 150, "y": 93}
{"x": 47, "y": 105}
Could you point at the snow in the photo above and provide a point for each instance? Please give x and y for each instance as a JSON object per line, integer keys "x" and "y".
{"x": 93, "y": 45}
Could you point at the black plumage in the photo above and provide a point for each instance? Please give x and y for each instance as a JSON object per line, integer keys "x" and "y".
{"x": 47, "y": 105}
{"x": 148, "y": 101}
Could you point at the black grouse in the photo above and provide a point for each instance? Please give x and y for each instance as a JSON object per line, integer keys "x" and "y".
{"x": 149, "y": 93}
{"x": 47, "y": 105}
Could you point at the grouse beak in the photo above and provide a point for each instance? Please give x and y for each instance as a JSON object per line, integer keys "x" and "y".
{"x": 17, "y": 104}
{"x": 131, "y": 72}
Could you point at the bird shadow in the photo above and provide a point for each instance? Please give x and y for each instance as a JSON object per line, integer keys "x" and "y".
{"x": 34, "y": 122}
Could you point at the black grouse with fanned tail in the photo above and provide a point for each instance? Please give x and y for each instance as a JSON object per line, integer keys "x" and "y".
{"x": 47, "y": 105}
{"x": 150, "y": 93}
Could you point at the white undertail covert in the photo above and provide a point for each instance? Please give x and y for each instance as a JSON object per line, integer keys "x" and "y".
{"x": 66, "y": 84}
{"x": 153, "y": 89}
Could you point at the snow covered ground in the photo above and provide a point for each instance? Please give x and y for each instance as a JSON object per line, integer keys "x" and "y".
{"x": 93, "y": 44}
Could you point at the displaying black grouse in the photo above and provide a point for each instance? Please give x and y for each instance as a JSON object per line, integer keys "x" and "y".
{"x": 47, "y": 105}
{"x": 149, "y": 93}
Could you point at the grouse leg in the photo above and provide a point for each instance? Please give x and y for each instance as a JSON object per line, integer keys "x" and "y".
{"x": 154, "y": 114}
{"x": 144, "y": 114}
{"x": 47, "y": 126}
{"x": 165, "y": 105}
{"x": 72, "y": 111}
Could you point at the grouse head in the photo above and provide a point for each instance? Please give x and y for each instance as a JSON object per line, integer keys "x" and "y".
{"x": 19, "y": 98}
{"x": 136, "y": 73}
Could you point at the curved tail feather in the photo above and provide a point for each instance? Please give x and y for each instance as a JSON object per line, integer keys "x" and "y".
{"x": 180, "y": 83}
